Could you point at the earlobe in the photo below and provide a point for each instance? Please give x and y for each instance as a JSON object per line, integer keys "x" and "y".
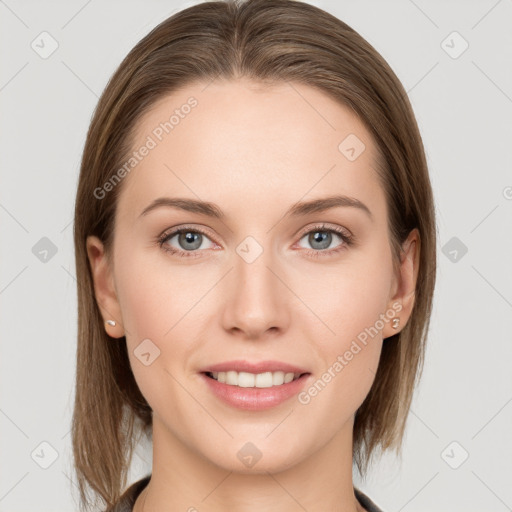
{"x": 104, "y": 289}
{"x": 402, "y": 301}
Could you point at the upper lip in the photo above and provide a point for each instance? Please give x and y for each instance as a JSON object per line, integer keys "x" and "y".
{"x": 254, "y": 367}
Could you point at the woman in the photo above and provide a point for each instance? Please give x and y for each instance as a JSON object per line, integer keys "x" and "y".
{"x": 255, "y": 250}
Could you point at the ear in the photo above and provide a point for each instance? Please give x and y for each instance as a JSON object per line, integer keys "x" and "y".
{"x": 404, "y": 284}
{"x": 104, "y": 288}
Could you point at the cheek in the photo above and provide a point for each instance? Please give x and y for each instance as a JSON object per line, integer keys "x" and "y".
{"x": 350, "y": 297}
{"x": 350, "y": 300}
{"x": 350, "y": 348}
{"x": 155, "y": 296}
{"x": 163, "y": 303}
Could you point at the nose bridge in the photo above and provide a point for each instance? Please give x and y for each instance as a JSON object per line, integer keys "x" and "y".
{"x": 256, "y": 297}
{"x": 255, "y": 278}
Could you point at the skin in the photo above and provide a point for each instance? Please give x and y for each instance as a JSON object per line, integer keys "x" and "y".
{"x": 254, "y": 151}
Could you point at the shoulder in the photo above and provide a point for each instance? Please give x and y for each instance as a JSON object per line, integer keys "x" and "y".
{"x": 127, "y": 500}
{"x": 366, "y": 502}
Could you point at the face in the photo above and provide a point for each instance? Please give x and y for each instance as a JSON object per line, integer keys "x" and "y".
{"x": 304, "y": 290}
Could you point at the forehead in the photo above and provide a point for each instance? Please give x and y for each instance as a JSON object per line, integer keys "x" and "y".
{"x": 248, "y": 144}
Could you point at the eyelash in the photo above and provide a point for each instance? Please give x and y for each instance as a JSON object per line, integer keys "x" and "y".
{"x": 348, "y": 240}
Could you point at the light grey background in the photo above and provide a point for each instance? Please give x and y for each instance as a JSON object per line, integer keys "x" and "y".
{"x": 464, "y": 109}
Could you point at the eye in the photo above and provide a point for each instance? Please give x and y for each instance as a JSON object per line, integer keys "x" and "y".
{"x": 320, "y": 239}
{"x": 187, "y": 243}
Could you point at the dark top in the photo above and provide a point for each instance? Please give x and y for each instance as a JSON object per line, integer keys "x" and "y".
{"x": 127, "y": 500}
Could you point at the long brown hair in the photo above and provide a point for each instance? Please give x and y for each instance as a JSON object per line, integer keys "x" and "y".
{"x": 268, "y": 41}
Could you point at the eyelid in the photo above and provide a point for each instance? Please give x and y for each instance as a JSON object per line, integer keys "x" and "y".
{"x": 174, "y": 230}
{"x": 170, "y": 233}
{"x": 324, "y": 226}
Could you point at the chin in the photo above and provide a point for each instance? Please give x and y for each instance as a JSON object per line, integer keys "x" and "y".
{"x": 254, "y": 457}
{"x": 262, "y": 466}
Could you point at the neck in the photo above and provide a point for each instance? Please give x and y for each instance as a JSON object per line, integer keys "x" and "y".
{"x": 184, "y": 480}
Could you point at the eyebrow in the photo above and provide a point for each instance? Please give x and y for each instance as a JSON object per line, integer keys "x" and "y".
{"x": 296, "y": 210}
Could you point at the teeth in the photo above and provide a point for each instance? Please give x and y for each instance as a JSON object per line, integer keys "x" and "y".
{"x": 251, "y": 380}
{"x": 278, "y": 378}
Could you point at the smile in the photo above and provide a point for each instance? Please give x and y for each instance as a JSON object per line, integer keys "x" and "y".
{"x": 254, "y": 380}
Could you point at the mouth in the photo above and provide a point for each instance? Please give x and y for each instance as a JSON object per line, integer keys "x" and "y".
{"x": 254, "y": 385}
{"x": 255, "y": 380}
{"x": 255, "y": 391}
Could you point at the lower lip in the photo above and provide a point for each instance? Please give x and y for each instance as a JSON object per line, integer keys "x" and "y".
{"x": 255, "y": 399}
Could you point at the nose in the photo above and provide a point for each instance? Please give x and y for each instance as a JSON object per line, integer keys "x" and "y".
{"x": 257, "y": 302}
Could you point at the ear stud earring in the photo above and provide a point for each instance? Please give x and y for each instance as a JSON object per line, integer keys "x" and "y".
{"x": 395, "y": 323}
{"x": 112, "y": 323}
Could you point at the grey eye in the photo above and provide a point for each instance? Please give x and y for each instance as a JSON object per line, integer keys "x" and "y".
{"x": 320, "y": 239}
{"x": 188, "y": 240}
